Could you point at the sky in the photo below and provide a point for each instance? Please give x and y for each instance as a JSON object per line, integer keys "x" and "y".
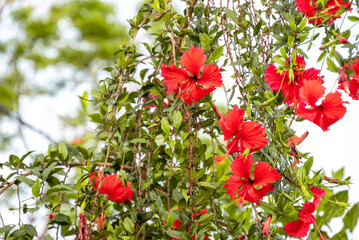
{"x": 331, "y": 150}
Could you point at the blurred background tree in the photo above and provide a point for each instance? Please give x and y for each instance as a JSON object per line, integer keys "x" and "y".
{"x": 47, "y": 48}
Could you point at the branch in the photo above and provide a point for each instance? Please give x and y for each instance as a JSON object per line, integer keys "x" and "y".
{"x": 22, "y": 122}
{"x": 70, "y": 165}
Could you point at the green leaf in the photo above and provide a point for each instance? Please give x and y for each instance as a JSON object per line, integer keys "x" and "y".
{"x": 6, "y": 229}
{"x": 31, "y": 230}
{"x": 279, "y": 125}
{"x": 61, "y": 219}
{"x": 269, "y": 208}
{"x": 331, "y": 66}
{"x": 177, "y": 195}
{"x": 351, "y": 217}
{"x": 302, "y": 24}
{"x": 283, "y": 52}
{"x": 177, "y": 119}
{"x": 290, "y": 41}
{"x": 205, "y": 41}
{"x": 59, "y": 188}
{"x": 166, "y": 128}
{"x": 139, "y": 140}
{"x": 174, "y": 234}
{"x": 96, "y": 93}
{"x": 25, "y": 180}
{"x": 63, "y": 150}
{"x": 205, "y": 218}
{"x": 25, "y": 155}
{"x": 48, "y": 170}
{"x": 308, "y": 164}
{"x": 206, "y": 185}
{"x": 232, "y": 15}
{"x": 353, "y": 18}
{"x": 122, "y": 98}
{"x": 128, "y": 224}
{"x": 257, "y": 28}
{"x": 216, "y": 54}
{"x": 36, "y": 188}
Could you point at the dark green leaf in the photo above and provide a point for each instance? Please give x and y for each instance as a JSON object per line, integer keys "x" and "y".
{"x": 174, "y": 234}
{"x": 48, "y": 170}
{"x": 31, "y": 230}
{"x": 177, "y": 195}
{"x": 351, "y": 217}
{"x": 232, "y": 15}
{"x": 6, "y": 229}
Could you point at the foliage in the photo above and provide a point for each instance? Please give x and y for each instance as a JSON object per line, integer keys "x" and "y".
{"x": 76, "y": 39}
{"x": 168, "y": 150}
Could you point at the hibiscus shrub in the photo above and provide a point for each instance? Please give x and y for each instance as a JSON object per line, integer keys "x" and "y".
{"x": 195, "y": 135}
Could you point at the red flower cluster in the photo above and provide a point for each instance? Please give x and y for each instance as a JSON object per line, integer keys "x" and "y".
{"x": 251, "y": 189}
{"x": 178, "y": 223}
{"x": 189, "y": 83}
{"x": 112, "y": 186}
{"x": 51, "y": 216}
{"x": 300, "y": 228}
{"x": 248, "y": 134}
{"x": 305, "y": 92}
{"x": 279, "y": 81}
{"x": 329, "y": 12}
{"x": 351, "y": 87}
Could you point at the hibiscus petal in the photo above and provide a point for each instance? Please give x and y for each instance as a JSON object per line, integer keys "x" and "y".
{"x": 211, "y": 76}
{"x": 231, "y": 123}
{"x": 173, "y": 76}
{"x": 317, "y": 193}
{"x": 252, "y": 136}
{"x": 333, "y": 106}
{"x": 264, "y": 174}
{"x": 258, "y": 194}
{"x": 311, "y": 91}
{"x": 193, "y": 60}
{"x": 241, "y": 166}
{"x": 190, "y": 91}
{"x": 232, "y": 146}
{"x": 297, "y": 229}
{"x": 232, "y": 185}
{"x": 274, "y": 79}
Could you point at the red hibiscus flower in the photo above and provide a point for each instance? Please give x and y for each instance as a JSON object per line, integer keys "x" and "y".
{"x": 190, "y": 84}
{"x": 249, "y": 134}
{"x": 351, "y": 87}
{"x": 328, "y": 13}
{"x": 112, "y": 186}
{"x": 325, "y": 114}
{"x": 178, "y": 223}
{"x": 251, "y": 189}
{"x": 300, "y": 228}
{"x": 290, "y": 89}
